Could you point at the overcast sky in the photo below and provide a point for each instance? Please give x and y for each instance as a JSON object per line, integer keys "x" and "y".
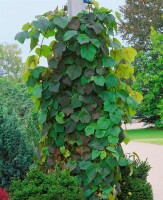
{"x": 15, "y": 13}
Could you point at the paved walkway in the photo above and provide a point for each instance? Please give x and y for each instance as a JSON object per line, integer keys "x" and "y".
{"x": 154, "y": 153}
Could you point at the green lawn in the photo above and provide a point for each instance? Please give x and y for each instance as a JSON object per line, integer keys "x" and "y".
{"x": 153, "y": 136}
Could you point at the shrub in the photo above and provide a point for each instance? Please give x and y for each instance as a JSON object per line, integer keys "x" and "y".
{"x": 58, "y": 185}
{"x": 16, "y": 152}
{"x": 136, "y": 186}
{"x": 3, "y": 194}
{"x": 140, "y": 171}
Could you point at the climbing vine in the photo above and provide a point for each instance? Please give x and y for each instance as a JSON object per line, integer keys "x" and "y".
{"x": 82, "y": 96}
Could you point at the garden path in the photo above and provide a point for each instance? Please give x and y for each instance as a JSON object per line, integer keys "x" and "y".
{"x": 154, "y": 154}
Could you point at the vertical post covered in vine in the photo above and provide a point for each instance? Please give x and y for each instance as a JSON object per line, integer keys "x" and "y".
{"x": 82, "y": 96}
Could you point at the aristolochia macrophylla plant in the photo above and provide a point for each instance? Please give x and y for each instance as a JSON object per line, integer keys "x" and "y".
{"x": 82, "y": 96}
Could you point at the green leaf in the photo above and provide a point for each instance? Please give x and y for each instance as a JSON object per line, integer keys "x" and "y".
{"x": 110, "y": 96}
{"x": 100, "y": 133}
{"x": 109, "y": 107}
{"x": 126, "y": 140}
{"x": 43, "y": 51}
{"x": 42, "y": 24}
{"x": 88, "y": 193}
{"x": 26, "y": 26}
{"x": 103, "y": 155}
{"x": 95, "y": 153}
{"x": 99, "y": 80}
{"x": 112, "y": 139}
{"x": 33, "y": 43}
{"x": 62, "y": 22}
{"x": 89, "y": 130}
{"x": 75, "y": 102}
{"x": 37, "y": 71}
{"x": 123, "y": 161}
{"x": 60, "y": 118}
{"x": 37, "y": 91}
{"x": 129, "y": 54}
{"x": 88, "y": 52}
{"x": 96, "y": 42}
{"x": 83, "y": 38}
{"x": 103, "y": 123}
{"x": 42, "y": 117}
{"x": 109, "y": 62}
{"x": 84, "y": 116}
{"x": 69, "y": 34}
{"x": 74, "y": 72}
{"x": 22, "y": 36}
{"x": 53, "y": 63}
{"x": 116, "y": 117}
{"x": 115, "y": 131}
{"x": 54, "y": 86}
{"x": 105, "y": 193}
{"x": 111, "y": 80}
{"x": 62, "y": 149}
{"x": 85, "y": 164}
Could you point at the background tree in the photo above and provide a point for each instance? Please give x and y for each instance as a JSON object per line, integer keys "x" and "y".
{"x": 138, "y": 17}
{"x": 149, "y": 73}
{"x": 10, "y": 60}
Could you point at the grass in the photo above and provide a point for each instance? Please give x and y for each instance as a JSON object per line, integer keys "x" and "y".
{"x": 152, "y": 136}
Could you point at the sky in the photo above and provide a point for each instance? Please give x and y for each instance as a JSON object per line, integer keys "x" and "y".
{"x": 15, "y": 13}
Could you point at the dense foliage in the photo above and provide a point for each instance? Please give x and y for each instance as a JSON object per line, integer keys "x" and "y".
{"x": 14, "y": 95}
{"x": 10, "y": 60}
{"x": 82, "y": 96}
{"x": 136, "y": 186}
{"x": 149, "y": 81}
{"x": 18, "y": 132}
{"x": 58, "y": 185}
{"x": 138, "y": 16}
{"x": 15, "y": 151}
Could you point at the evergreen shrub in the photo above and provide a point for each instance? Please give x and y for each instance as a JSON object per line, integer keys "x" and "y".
{"x": 58, "y": 185}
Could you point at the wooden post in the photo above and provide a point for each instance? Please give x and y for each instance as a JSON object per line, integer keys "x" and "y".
{"x": 75, "y": 6}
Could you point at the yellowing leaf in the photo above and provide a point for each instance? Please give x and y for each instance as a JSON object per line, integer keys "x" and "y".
{"x": 32, "y": 61}
{"x": 129, "y": 54}
{"x": 129, "y": 193}
{"x": 129, "y": 90}
{"x": 125, "y": 71}
{"x": 66, "y": 153}
{"x": 111, "y": 197}
{"x": 137, "y": 96}
{"x": 96, "y": 4}
{"x": 26, "y": 75}
{"x": 116, "y": 55}
{"x": 131, "y": 111}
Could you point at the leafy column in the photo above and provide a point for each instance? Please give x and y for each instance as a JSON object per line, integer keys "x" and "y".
{"x": 82, "y": 96}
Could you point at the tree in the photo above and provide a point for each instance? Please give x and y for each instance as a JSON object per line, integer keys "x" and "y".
{"x": 10, "y": 60}
{"x": 149, "y": 80}
{"x": 138, "y": 17}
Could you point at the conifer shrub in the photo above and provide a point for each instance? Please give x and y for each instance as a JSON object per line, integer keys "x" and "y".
{"x": 136, "y": 186}
{"x": 58, "y": 185}
{"x": 15, "y": 151}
